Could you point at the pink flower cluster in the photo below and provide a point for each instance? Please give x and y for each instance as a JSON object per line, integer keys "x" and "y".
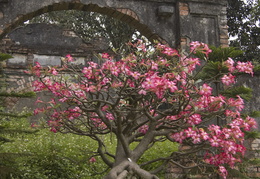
{"x": 200, "y": 47}
{"x": 245, "y": 67}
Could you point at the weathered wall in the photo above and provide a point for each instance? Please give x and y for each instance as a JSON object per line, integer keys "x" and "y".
{"x": 203, "y": 20}
{"x": 173, "y": 21}
{"x": 46, "y": 44}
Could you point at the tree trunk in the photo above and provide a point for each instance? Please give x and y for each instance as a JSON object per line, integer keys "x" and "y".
{"x": 127, "y": 168}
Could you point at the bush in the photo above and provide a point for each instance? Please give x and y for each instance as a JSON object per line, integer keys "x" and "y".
{"x": 49, "y": 155}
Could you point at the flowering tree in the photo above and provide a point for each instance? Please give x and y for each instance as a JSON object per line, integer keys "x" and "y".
{"x": 148, "y": 97}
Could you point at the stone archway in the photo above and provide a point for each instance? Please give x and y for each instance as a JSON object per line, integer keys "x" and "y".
{"x": 131, "y": 12}
{"x": 172, "y": 21}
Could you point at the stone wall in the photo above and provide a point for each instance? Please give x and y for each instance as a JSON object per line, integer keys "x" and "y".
{"x": 169, "y": 21}
{"x": 46, "y": 44}
{"x": 203, "y": 21}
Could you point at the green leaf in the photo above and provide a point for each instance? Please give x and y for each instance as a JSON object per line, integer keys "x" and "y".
{"x": 4, "y": 56}
{"x": 252, "y": 135}
{"x": 255, "y": 114}
{"x": 212, "y": 70}
{"x": 29, "y": 94}
{"x": 220, "y": 54}
{"x": 242, "y": 91}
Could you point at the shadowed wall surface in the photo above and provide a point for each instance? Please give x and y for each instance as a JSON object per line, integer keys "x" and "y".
{"x": 171, "y": 21}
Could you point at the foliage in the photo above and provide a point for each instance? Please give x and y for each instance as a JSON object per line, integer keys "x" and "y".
{"x": 7, "y": 164}
{"x": 145, "y": 98}
{"x": 54, "y": 155}
{"x": 22, "y": 95}
{"x": 243, "y": 23}
{"x": 220, "y": 54}
{"x": 90, "y": 25}
{"x": 48, "y": 155}
{"x": 4, "y": 56}
{"x": 244, "y": 92}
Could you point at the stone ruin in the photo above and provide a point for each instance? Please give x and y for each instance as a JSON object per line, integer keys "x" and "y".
{"x": 175, "y": 22}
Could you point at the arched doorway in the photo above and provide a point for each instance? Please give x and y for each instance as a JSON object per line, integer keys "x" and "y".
{"x": 143, "y": 16}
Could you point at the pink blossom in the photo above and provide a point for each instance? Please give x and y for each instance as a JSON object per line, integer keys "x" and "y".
{"x": 53, "y": 129}
{"x": 135, "y": 74}
{"x": 38, "y": 100}
{"x": 245, "y": 67}
{"x": 53, "y": 71}
{"x": 215, "y": 129}
{"x": 116, "y": 84}
{"x": 194, "y": 119}
{"x": 69, "y": 58}
{"x": 200, "y": 47}
{"x": 230, "y": 64}
{"x": 110, "y": 116}
{"x": 238, "y": 103}
{"x": 223, "y": 172}
{"x": 93, "y": 64}
{"x": 204, "y": 135}
{"x": 88, "y": 73}
{"x": 190, "y": 63}
{"x": 92, "y": 160}
{"x": 143, "y": 129}
{"x": 107, "y": 65}
{"x": 148, "y": 83}
{"x": 178, "y": 137}
{"x": 64, "y": 99}
{"x": 227, "y": 133}
{"x": 171, "y": 52}
{"x": 251, "y": 122}
{"x": 230, "y": 146}
{"x": 205, "y": 90}
{"x": 38, "y": 86}
{"x": 228, "y": 79}
{"x": 143, "y": 92}
{"x": 232, "y": 113}
{"x": 190, "y": 132}
{"x": 54, "y": 124}
{"x": 214, "y": 141}
{"x": 38, "y": 110}
{"x": 36, "y": 70}
{"x": 115, "y": 71}
{"x": 160, "y": 46}
{"x": 105, "y": 55}
{"x": 34, "y": 125}
{"x": 154, "y": 66}
{"x": 52, "y": 101}
{"x": 196, "y": 139}
{"x": 142, "y": 47}
{"x": 172, "y": 86}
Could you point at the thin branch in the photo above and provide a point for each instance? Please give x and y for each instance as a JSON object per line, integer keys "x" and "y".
{"x": 183, "y": 167}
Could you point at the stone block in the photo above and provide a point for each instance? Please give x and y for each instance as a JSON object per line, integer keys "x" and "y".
{"x": 45, "y": 60}
{"x": 224, "y": 41}
{"x": 165, "y": 11}
{"x": 184, "y": 9}
{"x": 18, "y": 60}
{"x": 1, "y": 15}
{"x": 255, "y": 146}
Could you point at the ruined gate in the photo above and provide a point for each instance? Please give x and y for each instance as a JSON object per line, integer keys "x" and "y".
{"x": 175, "y": 22}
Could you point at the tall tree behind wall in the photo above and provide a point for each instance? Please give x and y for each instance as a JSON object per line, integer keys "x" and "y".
{"x": 243, "y": 23}
{"x": 89, "y": 25}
